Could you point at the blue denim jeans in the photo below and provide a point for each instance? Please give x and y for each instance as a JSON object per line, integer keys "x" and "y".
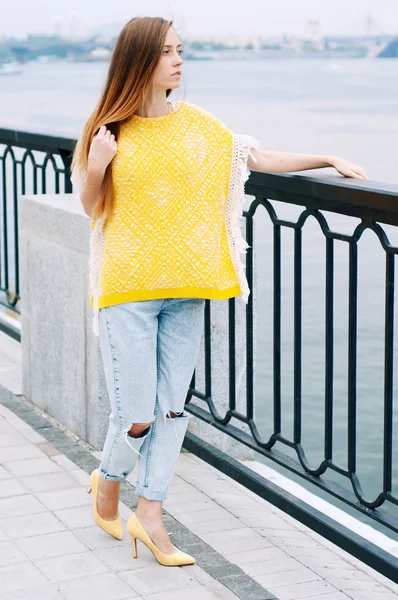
{"x": 149, "y": 350}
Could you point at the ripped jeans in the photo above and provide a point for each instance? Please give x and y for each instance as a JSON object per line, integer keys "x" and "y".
{"x": 149, "y": 350}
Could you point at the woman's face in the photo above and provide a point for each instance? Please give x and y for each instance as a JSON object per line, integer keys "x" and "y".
{"x": 169, "y": 63}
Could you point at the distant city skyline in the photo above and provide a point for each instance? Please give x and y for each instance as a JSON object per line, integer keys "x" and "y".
{"x": 257, "y": 18}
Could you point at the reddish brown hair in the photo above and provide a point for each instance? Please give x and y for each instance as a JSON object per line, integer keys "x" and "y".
{"x": 134, "y": 59}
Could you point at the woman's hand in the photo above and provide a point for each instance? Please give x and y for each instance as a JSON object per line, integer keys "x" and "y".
{"x": 348, "y": 169}
{"x": 102, "y": 150}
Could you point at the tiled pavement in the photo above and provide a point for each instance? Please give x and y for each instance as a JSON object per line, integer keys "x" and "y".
{"x": 246, "y": 548}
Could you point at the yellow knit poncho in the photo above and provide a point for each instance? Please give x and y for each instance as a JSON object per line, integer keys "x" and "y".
{"x": 175, "y": 227}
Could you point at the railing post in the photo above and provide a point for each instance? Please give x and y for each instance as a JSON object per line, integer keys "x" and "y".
{"x": 66, "y": 157}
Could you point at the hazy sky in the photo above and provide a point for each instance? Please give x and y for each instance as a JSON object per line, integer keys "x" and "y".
{"x": 202, "y": 17}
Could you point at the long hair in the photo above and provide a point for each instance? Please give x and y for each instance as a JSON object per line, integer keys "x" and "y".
{"x": 134, "y": 59}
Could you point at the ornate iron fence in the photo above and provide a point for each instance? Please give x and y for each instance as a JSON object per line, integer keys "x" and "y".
{"x": 375, "y": 206}
{"x": 30, "y": 163}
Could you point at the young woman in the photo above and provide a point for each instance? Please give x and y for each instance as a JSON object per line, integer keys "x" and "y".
{"x": 163, "y": 183}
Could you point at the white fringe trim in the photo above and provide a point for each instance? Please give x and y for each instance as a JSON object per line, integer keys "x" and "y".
{"x": 96, "y": 249}
{"x": 78, "y": 179}
{"x": 240, "y": 173}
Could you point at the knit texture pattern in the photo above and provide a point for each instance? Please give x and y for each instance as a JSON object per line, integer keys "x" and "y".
{"x": 175, "y": 230}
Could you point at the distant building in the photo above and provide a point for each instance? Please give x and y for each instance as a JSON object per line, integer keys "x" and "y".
{"x": 313, "y": 37}
{"x": 74, "y": 26}
{"x": 313, "y": 31}
{"x": 57, "y": 26}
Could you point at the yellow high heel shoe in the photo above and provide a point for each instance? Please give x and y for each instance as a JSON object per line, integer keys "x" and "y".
{"x": 137, "y": 532}
{"x": 114, "y": 527}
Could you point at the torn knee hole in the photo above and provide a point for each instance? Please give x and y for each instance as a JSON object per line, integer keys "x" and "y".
{"x": 173, "y": 415}
{"x": 138, "y": 430}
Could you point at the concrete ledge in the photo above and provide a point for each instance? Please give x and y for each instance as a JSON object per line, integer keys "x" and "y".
{"x": 59, "y": 219}
{"x": 62, "y": 368}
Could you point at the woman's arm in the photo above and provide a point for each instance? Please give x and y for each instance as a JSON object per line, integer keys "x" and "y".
{"x": 102, "y": 150}
{"x": 269, "y": 161}
{"x": 91, "y": 189}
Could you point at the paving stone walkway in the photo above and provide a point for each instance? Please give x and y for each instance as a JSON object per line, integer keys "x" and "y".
{"x": 246, "y": 548}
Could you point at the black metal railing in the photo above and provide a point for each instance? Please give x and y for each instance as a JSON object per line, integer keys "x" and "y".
{"x": 372, "y": 205}
{"x": 375, "y": 206}
{"x": 30, "y": 163}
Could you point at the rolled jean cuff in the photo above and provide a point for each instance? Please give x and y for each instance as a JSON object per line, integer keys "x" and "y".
{"x": 149, "y": 494}
{"x": 108, "y": 477}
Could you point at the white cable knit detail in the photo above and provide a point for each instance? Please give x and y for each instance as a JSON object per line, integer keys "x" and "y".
{"x": 240, "y": 173}
{"x": 96, "y": 250}
{"x": 78, "y": 179}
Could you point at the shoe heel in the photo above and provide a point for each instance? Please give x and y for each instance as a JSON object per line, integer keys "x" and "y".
{"x": 89, "y": 490}
{"x": 134, "y": 540}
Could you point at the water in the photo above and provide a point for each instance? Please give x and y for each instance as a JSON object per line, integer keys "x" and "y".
{"x": 345, "y": 108}
{"x": 311, "y": 106}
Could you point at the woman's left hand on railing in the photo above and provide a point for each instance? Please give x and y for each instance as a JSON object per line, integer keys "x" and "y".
{"x": 348, "y": 169}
